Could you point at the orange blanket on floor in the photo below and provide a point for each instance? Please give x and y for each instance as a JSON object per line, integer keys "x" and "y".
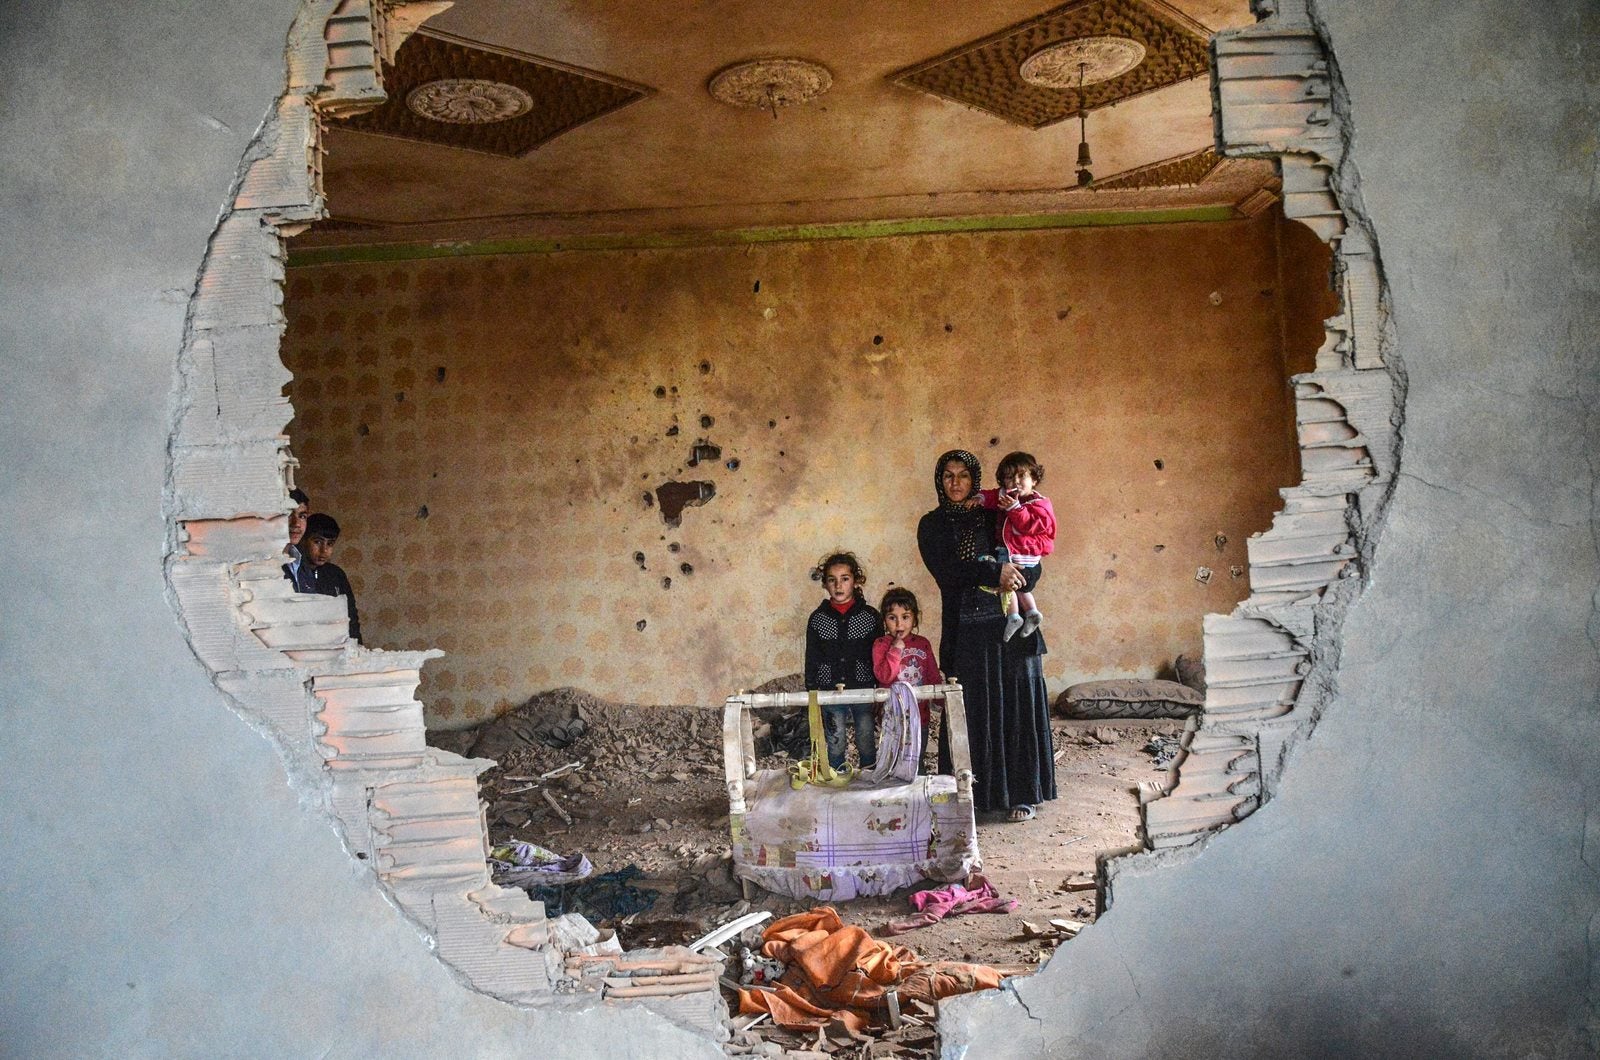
{"x": 837, "y": 970}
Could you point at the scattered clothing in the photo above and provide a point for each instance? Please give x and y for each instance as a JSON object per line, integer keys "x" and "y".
{"x": 528, "y": 864}
{"x": 839, "y": 971}
{"x": 603, "y": 897}
{"x": 933, "y": 906}
{"x": 900, "y": 745}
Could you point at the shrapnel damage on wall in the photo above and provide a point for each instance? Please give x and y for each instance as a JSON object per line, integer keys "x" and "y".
{"x": 346, "y": 718}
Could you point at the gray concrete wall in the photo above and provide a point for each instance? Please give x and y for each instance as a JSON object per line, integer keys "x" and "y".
{"x": 161, "y": 892}
{"x": 1419, "y": 885}
{"x": 1426, "y": 882}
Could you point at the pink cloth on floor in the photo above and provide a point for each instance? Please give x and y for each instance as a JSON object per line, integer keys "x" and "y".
{"x": 934, "y": 906}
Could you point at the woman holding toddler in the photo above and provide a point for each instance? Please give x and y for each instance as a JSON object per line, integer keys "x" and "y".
{"x": 1007, "y": 705}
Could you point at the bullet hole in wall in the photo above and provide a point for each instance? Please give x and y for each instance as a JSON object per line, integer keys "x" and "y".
{"x": 674, "y": 497}
{"x": 994, "y": 441}
{"x": 639, "y": 625}
{"x": 948, "y": 328}
{"x": 363, "y": 430}
{"x": 772, "y": 423}
{"x": 704, "y": 450}
{"x": 666, "y": 582}
{"x": 649, "y": 500}
{"x": 661, "y": 391}
{"x": 732, "y": 465}
{"x": 877, "y": 340}
{"x": 638, "y": 557}
{"x": 1161, "y": 548}
{"x": 674, "y": 547}
{"x": 399, "y": 396}
{"x": 705, "y": 367}
{"x": 1110, "y": 574}
{"x": 1062, "y": 314}
{"x": 757, "y": 288}
{"x": 706, "y": 421}
{"x": 1221, "y": 541}
{"x": 422, "y": 512}
{"x": 1160, "y": 464}
{"x": 686, "y": 568}
{"x": 438, "y": 373}
{"x": 672, "y": 432}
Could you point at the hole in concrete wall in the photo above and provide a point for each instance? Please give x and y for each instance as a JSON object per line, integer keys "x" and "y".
{"x": 1347, "y": 461}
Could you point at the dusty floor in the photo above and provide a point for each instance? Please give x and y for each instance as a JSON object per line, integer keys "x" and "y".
{"x": 649, "y": 793}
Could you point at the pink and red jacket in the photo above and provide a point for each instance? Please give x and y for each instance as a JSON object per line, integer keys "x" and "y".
{"x": 1028, "y": 530}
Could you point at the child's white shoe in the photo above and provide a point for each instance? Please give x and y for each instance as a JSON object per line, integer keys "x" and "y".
{"x": 1013, "y": 623}
{"x": 1031, "y": 623}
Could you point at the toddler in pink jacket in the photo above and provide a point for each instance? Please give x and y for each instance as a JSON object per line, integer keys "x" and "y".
{"x": 1027, "y": 534}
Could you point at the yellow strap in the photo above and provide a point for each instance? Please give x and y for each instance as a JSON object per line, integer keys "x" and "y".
{"x": 816, "y": 770}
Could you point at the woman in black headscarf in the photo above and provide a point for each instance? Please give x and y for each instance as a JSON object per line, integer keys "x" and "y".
{"x": 1008, "y": 708}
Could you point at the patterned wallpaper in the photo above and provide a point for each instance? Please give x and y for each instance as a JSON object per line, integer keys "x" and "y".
{"x": 491, "y": 432}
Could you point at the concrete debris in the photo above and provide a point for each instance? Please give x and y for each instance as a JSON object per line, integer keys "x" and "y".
{"x": 728, "y": 931}
{"x": 573, "y": 935}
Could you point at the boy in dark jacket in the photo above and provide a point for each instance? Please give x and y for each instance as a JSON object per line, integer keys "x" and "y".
{"x": 327, "y": 577}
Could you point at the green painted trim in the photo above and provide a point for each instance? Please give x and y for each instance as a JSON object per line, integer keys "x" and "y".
{"x": 917, "y": 226}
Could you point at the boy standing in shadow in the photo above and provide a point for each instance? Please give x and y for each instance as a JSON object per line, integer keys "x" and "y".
{"x": 327, "y": 577}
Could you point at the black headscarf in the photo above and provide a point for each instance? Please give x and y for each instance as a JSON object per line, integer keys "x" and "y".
{"x": 971, "y": 524}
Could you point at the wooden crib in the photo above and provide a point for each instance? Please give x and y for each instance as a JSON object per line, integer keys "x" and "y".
{"x": 838, "y": 843}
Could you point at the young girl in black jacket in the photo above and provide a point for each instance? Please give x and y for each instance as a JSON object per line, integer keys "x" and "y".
{"x": 839, "y": 636}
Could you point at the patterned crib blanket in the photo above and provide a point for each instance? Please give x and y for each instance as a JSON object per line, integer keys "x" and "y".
{"x": 838, "y": 843}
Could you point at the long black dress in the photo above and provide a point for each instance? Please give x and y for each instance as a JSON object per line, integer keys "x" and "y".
{"x": 1008, "y": 707}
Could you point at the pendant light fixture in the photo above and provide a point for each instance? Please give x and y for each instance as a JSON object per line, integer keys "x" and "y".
{"x": 1084, "y": 161}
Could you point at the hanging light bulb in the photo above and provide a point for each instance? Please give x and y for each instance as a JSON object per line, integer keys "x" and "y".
{"x": 1084, "y": 161}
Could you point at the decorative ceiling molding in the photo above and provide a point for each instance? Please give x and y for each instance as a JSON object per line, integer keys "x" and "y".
{"x": 988, "y": 74}
{"x": 770, "y": 83}
{"x": 1081, "y": 61}
{"x": 459, "y": 93}
{"x": 1184, "y": 171}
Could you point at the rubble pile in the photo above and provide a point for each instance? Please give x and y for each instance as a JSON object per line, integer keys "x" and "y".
{"x": 616, "y": 815}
